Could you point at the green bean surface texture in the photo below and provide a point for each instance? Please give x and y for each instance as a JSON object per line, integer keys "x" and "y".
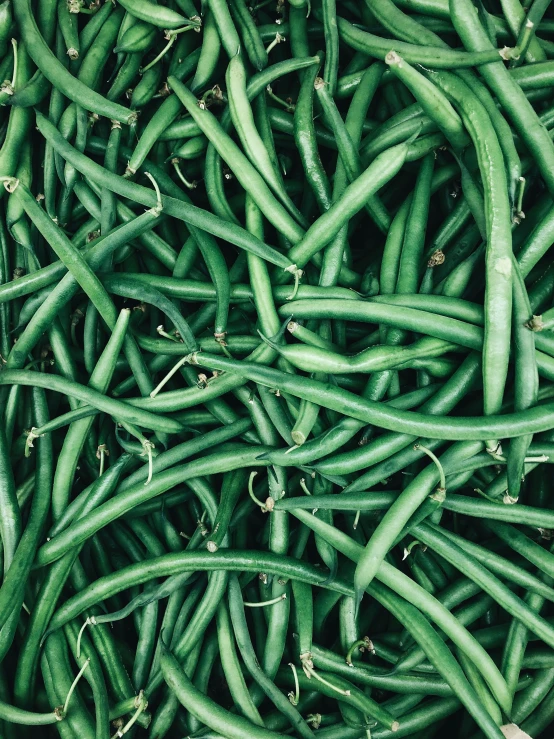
{"x": 276, "y": 369}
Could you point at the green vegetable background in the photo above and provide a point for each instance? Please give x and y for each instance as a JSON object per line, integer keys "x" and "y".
{"x": 276, "y": 369}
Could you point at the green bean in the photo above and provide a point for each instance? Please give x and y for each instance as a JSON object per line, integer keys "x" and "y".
{"x": 259, "y": 276}
{"x": 78, "y": 268}
{"x": 121, "y": 285}
{"x": 47, "y": 275}
{"x": 232, "y": 669}
{"x": 521, "y": 514}
{"x": 502, "y": 567}
{"x": 243, "y": 121}
{"x": 5, "y": 24}
{"x": 450, "y": 227}
{"x": 257, "y": 83}
{"x": 238, "y": 620}
{"x": 232, "y": 560}
{"x": 409, "y": 267}
{"x": 252, "y": 41}
{"x": 185, "y": 56}
{"x": 335, "y": 439}
{"x": 93, "y": 675}
{"x": 383, "y": 447}
{"x": 534, "y": 247}
{"x": 304, "y": 136}
{"x": 58, "y": 75}
{"x": 436, "y": 57}
{"x": 507, "y": 90}
{"x": 19, "y": 120}
{"x": 512, "y": 604}
{"x": 11, "y": 515}
{"x": 151, "y": 13}
{"x": 399, "y": 513}
{"x": 526, "y": 381}
{"x": 139, "y": 36}
{"x": 92, "y": 28}
{"x": 506, "y": 426}
{"x": 498, "y": 289}
{"x": 524, "y": 546}
{"x": 526, "y": 701}
{"x": 535, "y": 77}
{"x": 382, "y": 169}
{"x": 311, "y": 359}
{"x": 77, "y": 432}
{"x": 464, "y": 692}
{"x": 20, "y": 716}
{"x": 195, "y": 290}
{"x": 227, "y": 32}
{"x": 513, "y": 655}
{"x": 283, "y": 122}
{"x": 364, "y": 708}
{"x": 17, "y": 568}
{"x": 43, "y": 608}
{"x": 90, "y": 396}
{"x": 245, "y": 172}
{"x": 178, "y": 208}
{"x": 147, "y": 87}
{"x": 68, "y": 26}
{"x": 233, "y": 485}
{"x": 411, "y": 219}
{"x": 163, "y": 117}
{"x": 108, "y": 200}
{"x": 379, "y": 677}
{"x": 186, "y": 647}
{"x": 540, "y": 719}
{"x": 347, "y": 135}
{"x": 401, "y": 584}
{"x": 138, "y": 493}
{"x": 398, "y": 128}
{"x": 432, "y": 101}
{"x": 209, "y": 54}
{"x": 204, "y": 708}
{"x": 515, "y": 17}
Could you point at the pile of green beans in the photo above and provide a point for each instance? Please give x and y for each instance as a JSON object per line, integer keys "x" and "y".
{"x": 276, "y": 369}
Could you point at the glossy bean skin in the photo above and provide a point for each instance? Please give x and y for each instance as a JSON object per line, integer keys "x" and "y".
{"x": 243, "y": 121}
{"x": 498, "y": 291}
{"x": 519, "y": 109}
{"x": 170, "y": 564}
{"x": 56, "y": 73}
{"x": 92, "y": 396}
{"x": 372, "y": 453}
{"x": 432, "y": 102}
{"x": 12, "y": 588}
{"x": 231, "y": 667}
{"x": 247, "y": 175}
{"x": 203, "y": 707}
{"x": 373, "y": 359}
{"x": 399, "y": 514}
{"x": 331, "y": 478}
{"x": 506, "y": 426}
{"x": 124, "y": 187}
{"x": 524, "y": 613}
{"x": 238, "y": 620}
{"x": 226, "y": 28}
{"x": 11, "y": 518}
{"x": 77, "y": 432}
{"x": 418, "y": 624}
{"x": 139, "y": 493}
{"x": 437, "y": 56}
{"x": 330, "y": 223}
{"x": 304, "y": 135}
{"x": 149, "y": 12}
